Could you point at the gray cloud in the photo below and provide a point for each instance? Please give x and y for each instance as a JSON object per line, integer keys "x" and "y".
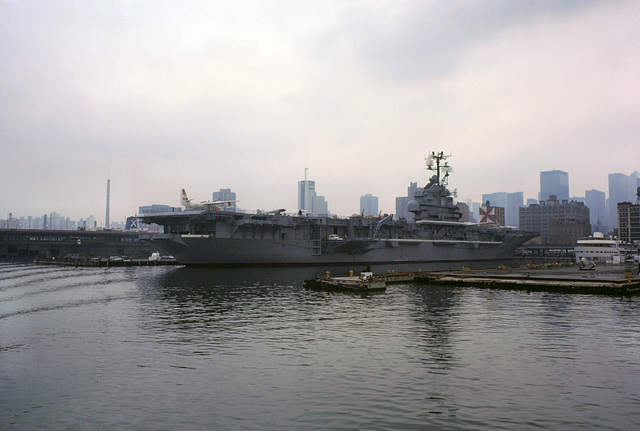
{"x": 431, "y": 38}
{"x": 163, "y": 95}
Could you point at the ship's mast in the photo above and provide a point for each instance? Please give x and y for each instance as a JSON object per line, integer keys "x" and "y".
{"x": 440, "y": 161}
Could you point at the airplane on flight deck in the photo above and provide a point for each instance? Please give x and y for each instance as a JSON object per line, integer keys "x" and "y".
{"x": 186, "y": 202}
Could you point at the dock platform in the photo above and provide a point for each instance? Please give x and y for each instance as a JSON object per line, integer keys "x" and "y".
{"x": 363, "y": 282}
{"x": 609, "y": 279}
{"x": 106, "y": 263}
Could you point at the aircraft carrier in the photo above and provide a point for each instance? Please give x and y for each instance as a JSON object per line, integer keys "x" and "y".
{"x": 225, "y": 238}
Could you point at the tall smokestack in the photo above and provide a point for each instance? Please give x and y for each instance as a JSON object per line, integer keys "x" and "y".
{"x": 106, "y": 223}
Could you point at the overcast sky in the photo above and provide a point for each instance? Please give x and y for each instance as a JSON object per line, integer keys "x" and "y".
{"x": 164, "y": 95}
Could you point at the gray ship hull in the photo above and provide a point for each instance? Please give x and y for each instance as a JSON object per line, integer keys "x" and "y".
{"x": 203, "y": 250}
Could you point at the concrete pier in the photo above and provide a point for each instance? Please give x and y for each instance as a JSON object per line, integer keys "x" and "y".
{"x": 608, "y": 279}
{"x": 106, "y": 263}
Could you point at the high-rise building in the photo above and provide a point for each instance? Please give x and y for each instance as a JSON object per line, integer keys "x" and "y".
{"x": 308, "y": 200}
{"x": 106, "y": 219}
{"x": 369, "y": 205}
{"x": 511, "y": 202}
{"x": 225, "y": 195}
{"x": 629, "y": 222}
{"x": 619, "y": 187}
{"x": 557, "y": 222}
{"x": 466, "y": 212}
{"x": 319, "y": 206}
{"x": 402, "y": 201}
{"x": 306, "y": 192}
{"x": 474, "y": 211}
{"x": 634, "y": 183}
{"x": 554, "y": 183}
{"x": 492, "y": 214}
{"x": 596, "y": 202}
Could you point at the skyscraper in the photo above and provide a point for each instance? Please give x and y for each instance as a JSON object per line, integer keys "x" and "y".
{"x": 369, "y": 205}
{"x": 634, "y": 183}
{"x": 225, "y": 195}
{"x": 306, "y": 192}
{"x": 402, "y": 201}
{"x": 629, "y": 219}
{"x": 618, "y": 192}
{"x": 308, "y": 200}
{"x": 106, "y": 222}
{"x": 596, "y": 202}
{"x": 511, "y": 202}
{"x": 554, "y": 183}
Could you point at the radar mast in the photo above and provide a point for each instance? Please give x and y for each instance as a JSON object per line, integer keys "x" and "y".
{"x": 441, "y": 167}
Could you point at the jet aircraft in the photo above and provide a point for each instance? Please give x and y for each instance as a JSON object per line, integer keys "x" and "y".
{"x": 186, "y": 202}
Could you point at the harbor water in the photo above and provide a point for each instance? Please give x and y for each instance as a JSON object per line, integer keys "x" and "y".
{"x": 165, "y": 348}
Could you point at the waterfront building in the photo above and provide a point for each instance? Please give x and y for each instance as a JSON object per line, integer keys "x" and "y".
{"x": 599, "y": 248}
{"x": 45, "y": 244}
{"x": 554, "y": 183}
{"x": 629, "y": 221}
{"x": 369, "y": 205}
{"x": 570, "y": 221}
{"x": 568, "y": 231}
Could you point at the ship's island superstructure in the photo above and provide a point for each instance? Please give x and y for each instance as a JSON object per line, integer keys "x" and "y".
{"x": 213, "y": 237}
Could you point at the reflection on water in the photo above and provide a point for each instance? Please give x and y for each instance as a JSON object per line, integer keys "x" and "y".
{"x": 214, "y": 348}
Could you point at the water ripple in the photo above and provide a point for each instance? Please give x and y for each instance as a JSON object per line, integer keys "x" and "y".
{"x": 167, "y": 348}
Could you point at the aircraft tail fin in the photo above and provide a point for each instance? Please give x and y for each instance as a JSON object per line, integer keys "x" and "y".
{"x": 184, "y": 199}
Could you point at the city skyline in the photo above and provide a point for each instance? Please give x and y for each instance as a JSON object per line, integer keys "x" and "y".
{"x": 227, "y": 193}
{"x": 162, "y": 96}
